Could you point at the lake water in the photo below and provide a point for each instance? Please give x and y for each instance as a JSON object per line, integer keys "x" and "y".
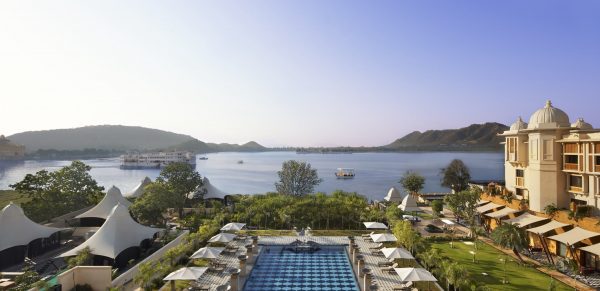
{"x": 375, "y": 172}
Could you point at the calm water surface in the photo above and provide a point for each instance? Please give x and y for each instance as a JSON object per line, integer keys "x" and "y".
{"x": 375, "y": 172}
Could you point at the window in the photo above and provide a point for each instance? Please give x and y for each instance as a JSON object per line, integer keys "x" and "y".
{"x": 562, "y": 249}
{"x": 571, "y": 159}
{"x": 520, "y": 173}
{"x": 548, "y": 149}
{"x": 575, "y": 181}
{"x": 597, "y": 160}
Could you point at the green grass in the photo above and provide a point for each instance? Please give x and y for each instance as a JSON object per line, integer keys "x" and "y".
{"x": 339, "y": 232}
{"x": 488, "y": 261}
{"x": 269, "y": 232}
{"x": 6, "y": 196}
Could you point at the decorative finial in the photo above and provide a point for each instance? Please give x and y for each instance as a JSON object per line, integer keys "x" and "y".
{"x": 520, "y": 119}
{"x": 548, "y": 103}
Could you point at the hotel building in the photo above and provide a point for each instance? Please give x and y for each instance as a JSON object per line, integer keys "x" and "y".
{"x": 551, "y": 161}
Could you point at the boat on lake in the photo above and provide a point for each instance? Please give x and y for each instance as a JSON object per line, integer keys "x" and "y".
{"x": 240, "y": 161}
{"x": 203, "y": 158}
{"x": 344, "y": 173}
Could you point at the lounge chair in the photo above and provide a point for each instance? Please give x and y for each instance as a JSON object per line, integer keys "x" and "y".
{"x": 390, "y": 268}
{"x": 368, "y": 235}
{"x": 379, "y": 246}
{"x": 376, "y": 253}
{"x": 384, "y": 264}
{"x": 405, "y": 286}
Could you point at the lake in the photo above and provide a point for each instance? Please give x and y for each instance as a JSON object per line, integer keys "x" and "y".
{"x": 375, "y": 172}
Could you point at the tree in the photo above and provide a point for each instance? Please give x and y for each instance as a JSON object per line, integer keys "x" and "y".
{"x": 464, "y": 206}
{"x": 83, "y": 258}
{"x": 297, "y": 178}
{"x": 456, "y": 275}
{"x": 412, "y": 182}
{"x": 56, "y": 193}
{"x": 437, "y": 206}
{"x": 456, "y": 176}
{"x": 181, "y": 180}
{"x": 27, "y": 279}
{"x": 511, "y": 237}
{"x": 151, "y": 205}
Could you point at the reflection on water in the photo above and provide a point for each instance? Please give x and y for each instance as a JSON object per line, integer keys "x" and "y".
{"x": 375, "y": 172}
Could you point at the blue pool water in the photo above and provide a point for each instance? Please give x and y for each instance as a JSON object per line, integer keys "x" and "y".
{"x": 324, "y": 270}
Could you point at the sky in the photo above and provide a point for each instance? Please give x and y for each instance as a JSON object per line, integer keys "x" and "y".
{"x": 295, "y": 73}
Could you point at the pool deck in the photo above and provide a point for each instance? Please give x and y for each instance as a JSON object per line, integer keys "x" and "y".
{"x": 385, "y": 281}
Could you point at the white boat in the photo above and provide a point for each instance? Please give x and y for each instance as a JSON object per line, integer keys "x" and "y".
{"x": 344, "y": 173}
{"x": 156, "y": 159}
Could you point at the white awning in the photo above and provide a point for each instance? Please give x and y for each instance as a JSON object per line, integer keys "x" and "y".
{"x": 383, "y": 237}
{"x": 16, "y": 229}
{"x": 207, "y": 253}
{"x": 233, "y": 226}
{"x": 414, "y": 275}
{"x": 502, "y": 212}
{"x": 118, "y": 233}
{"x": 525, "y": 219}
{"x": 187, "y": 274}
{"x": 552, "y": 225}
{"x": 222, "y": 237}
{"x": 488, "y": 207}
{"x": 574, "y": 235}
{"x": 594, "y": 249}
{"x": 396, "y": 253}
{"x": 375, "y": 225}
{"x": 393, "y": 195}
{"x": 409, "y": 204}
{"x": 104, "y": 208}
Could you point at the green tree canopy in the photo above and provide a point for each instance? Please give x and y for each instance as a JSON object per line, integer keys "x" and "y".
{"x": 297, "y": 178}
{"x": 412, "y": 182}
{"x": 456, "y": 176}
{"x": 511, "y": 237}
{"x": 56, "y": 193}
{"x": 153, "y": 202}
{"x": 464, "y": 206}
{"x": 181, "y": 180}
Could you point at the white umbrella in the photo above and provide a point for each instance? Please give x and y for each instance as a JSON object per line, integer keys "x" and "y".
{"x": 396, "y": 253}
{"x": 414, "y": 275}
{"x": 188, "y": 273}
{"x": 233, "y": 226}
{"x": 383, "y": 237}
{"x": 374, "y": 225}
{"x": 222, "y": 237}
{"x": 207, "y": 253}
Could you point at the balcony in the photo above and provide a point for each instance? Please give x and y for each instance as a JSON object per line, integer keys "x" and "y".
{"x": 575, "y": 189}
{"x": 520, "y": 182}
{"x": 571, "y": 167}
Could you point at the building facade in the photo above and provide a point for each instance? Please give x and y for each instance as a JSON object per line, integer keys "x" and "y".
{"x": 10, "y": 150}
{"x": 552, "y": 161}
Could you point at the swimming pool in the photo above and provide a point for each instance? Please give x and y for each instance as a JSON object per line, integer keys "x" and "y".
{"x": 324, "y": 270}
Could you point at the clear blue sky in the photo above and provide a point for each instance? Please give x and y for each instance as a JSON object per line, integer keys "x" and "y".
{"x": 295, "y": 72}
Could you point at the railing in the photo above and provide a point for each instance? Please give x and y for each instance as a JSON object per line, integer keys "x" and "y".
{"x": 569, "y": 166}
{"x": 520, "y": 181}
{"x": 575, "y": 189}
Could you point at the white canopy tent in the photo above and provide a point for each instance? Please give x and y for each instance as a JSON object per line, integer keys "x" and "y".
{"x": 393, "y": 195}
{"x": 207, "y": 253}
{"x": 415, "y": 275}
{"x": 501, "y": 213}
{"x": 396, "y": 253}
{"x": 482, "y": 202}
{"x": 375, "y": 225}
{"x": 222, "y": 237}
{"x": 383, "y": 237}
{"x": 139, "y": 189}
{"x": 104, "y": 208}
{"x": 552, "y": 225}
{"x": 574, "y": 236}
{"x": 409, "y": 204}
{"x": 233, "y": 226}
{"x": 118, "y": 233}
{"x": 212, "y": 192}
{"x": 525, "y": 219}
{"x": 594, "y": 249}
{"x": 16, "y": 229}
{"x": 488, "y": 207}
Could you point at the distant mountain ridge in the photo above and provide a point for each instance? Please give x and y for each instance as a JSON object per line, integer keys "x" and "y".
{"x": 117, "y": 138}
{"x": 473, "y": 137}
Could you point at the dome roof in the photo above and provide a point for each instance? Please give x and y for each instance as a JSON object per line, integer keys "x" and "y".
{"x": 581, "y": 124}
{"x": 518, "y": 125}
{"x": 548, "y": 117}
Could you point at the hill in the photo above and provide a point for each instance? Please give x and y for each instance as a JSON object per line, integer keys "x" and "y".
{"x": 197, "y": 146}
{"x": 100, "y": 137}
{"x": 473, "y": 137}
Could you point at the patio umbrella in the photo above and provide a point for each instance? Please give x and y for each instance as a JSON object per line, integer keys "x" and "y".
{"x": 185, "y": 274}
{"x": 233, "y": 226}
{"x": 383, "y": 237}
{"x": 415, "y": 275}
{"x": 222, "y": 237}
{"x": 396, "y": 253}
{"x": 375, "y": 225}
{"x": 207, "y": 253}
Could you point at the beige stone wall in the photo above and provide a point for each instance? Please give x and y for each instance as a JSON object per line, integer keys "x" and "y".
{"x": 98, "y": 277}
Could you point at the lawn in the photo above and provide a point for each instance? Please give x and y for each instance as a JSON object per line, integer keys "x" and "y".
{"x": 339, "y": 232}
{"x": 488, "y": 261}
{"x": 269, "y": 232}
{"x": 6, "y": 196}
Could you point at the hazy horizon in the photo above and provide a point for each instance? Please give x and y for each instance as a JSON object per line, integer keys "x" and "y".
{"x": 304, "y": 73}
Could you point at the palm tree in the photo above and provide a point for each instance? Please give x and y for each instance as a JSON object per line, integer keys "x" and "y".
{"x": 457, "y": 275}
{"x": 511, "y": 237}
{"x": 432, "y": 259}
